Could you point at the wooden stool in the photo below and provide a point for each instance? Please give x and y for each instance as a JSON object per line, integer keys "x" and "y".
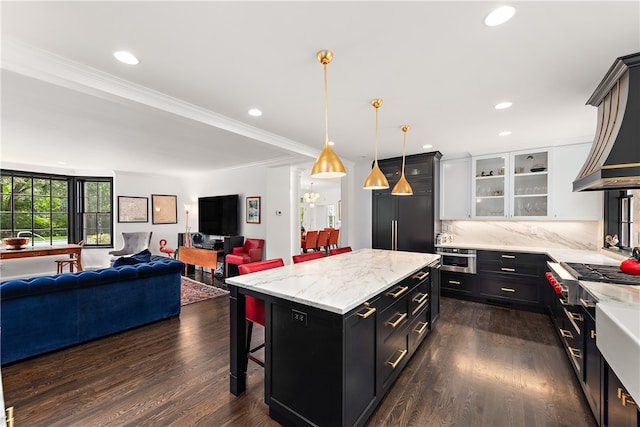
{"x": 62, "y": 262}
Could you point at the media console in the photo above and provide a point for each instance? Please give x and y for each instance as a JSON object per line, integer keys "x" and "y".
{"x": 196, "y": 254}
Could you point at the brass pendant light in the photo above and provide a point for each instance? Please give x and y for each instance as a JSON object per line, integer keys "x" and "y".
{"x": 402, "y": 187}
{"x": 376, "y": 179}
{"x": 328, "y": 164}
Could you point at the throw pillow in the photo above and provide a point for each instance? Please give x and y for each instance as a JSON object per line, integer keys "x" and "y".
{"x": 140, "y": 257}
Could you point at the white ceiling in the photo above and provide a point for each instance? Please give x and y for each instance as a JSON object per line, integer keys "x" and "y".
{"x": 204, "y": 64}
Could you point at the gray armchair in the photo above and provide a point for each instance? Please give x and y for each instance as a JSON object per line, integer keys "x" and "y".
{"x": 133, "y": 243}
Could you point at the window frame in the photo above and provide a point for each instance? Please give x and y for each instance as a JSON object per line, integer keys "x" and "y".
{"x": 75, "y": 204}
{"x": 618, "y": 216}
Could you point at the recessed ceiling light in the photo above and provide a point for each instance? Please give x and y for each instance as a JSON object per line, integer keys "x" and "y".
{"x": 503, "y": 105}
{"x": 499, "y": 16}
{"x": 126, "y": 57}
{"x": 505, "y": 133}
{"x": 427, "y": 146}
{"x": 255, "y": 112}
{"x": 61, "y": 162}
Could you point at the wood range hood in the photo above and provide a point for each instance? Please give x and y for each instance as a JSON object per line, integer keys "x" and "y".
{"x": 614, "y": 160}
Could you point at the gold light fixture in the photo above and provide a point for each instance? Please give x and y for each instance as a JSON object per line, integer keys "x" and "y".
{"x": 376, "y": 179}
{"x": 328, "y": 164}
{"x": 311, "y": 197}
{"x": 402, "y": 187}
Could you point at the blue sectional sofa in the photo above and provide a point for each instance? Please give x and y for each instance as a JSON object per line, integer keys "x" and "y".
{"x": 47, "y": 313}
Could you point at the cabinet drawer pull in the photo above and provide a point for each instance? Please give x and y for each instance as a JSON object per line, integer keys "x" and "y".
{"x": 593, "y": 334}
{"x": 395, "y": 363}
{"x": 563, "y": 301}
{"x": 575, "y": 353}
{"x": 627, "y": 400}
{"x": 507, "y": 289}
{"x": 420, "y": 298}
{"x": 454, "y": 282}
{"x": 369, "y": 312}
{"x": 420, "y": 275}
{"x": 397, "y": 322}
{"x": 402, "y": 290}
{"x": 510, "y": 270}
{"x": 420, "y": 329}
{"x": 586, "y": 304}
{"x": 575, "y": 317}
{"x": 508, "y": 256}
{"x": 565, "y": 333}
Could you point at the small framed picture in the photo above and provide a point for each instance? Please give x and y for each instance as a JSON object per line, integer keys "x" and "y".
{"x": 133, "y": 209}
{"x": 253, "y": 210}
{"x": 164, "y": 209}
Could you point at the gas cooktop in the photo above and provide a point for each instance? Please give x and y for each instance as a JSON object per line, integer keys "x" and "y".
{"x": 601, "y": 273}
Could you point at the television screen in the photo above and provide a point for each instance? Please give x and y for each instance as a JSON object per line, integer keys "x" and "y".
{"x": 218, "y": 215}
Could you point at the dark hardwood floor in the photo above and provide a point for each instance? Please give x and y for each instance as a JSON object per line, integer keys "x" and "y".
{"x": 481, "y": 366}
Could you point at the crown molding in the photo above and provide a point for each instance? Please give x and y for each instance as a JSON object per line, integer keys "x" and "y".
{"x": 46, "y": 66}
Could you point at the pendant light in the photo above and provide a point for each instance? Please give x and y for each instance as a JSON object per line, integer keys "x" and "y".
{"x": 376, "y": 179}
{"x": 328, "y": 164}
{"x": 402, "y": 187}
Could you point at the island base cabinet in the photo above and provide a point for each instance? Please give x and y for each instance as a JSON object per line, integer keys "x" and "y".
{"x": 622, "y": 411}
{"x": 320, "y": 367}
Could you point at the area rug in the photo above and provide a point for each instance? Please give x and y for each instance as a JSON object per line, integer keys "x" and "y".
{"x": 192, "y": 291}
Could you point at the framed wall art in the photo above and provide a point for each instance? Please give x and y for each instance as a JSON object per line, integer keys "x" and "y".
{"x": 164, "y": 209}
{"x": 253, "y": 210}
{"x": 133, "y": 209}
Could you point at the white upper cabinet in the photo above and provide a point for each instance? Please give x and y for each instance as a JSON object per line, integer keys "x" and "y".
{"x": 530, "y": 185}
{"x": 566, "y": 164}
{"x": 455, "y": 188}
{"x": 490, "y": 187}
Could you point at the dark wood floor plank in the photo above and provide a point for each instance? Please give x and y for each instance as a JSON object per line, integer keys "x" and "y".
{"x": 481, "y": 366}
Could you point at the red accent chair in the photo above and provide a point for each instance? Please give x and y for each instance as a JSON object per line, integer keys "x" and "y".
{"x": 307, "y": 257}
{"x": 250, "y": 252}
{"x": 342, "y": 250}
{"x": 254, "y": 307}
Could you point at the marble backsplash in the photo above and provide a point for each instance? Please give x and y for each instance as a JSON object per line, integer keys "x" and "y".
{"x": 585, "y": 235}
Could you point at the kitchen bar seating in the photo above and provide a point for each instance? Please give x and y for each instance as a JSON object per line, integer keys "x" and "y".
{"x": 306, "y": 257}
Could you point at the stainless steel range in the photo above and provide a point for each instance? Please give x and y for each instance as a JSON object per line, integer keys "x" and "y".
{"x": 565, "y": 277}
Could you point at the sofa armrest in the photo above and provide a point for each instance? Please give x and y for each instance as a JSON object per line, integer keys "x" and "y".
{"x": 119, "y": 252}
{"x": 238, "y": 250}
{"x": 255, "y": 254}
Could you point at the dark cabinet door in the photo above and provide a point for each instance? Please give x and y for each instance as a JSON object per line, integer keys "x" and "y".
{"x": 415, "y": 219}
{"x": 592, "y": 364}
{"x": 384, "y": 216}
{"x": 621, "y": 410}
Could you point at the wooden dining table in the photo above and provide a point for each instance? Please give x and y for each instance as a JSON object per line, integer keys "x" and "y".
{"x": 35, "y": 251}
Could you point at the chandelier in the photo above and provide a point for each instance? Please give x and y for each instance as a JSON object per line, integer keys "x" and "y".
{"x": 311, "y": 197}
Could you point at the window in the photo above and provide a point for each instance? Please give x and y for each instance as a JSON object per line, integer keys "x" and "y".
{"x": 618, "y": 216}
{"x": 43, "y": 207}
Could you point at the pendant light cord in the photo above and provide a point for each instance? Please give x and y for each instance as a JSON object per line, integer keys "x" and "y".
{"x": 376, "y": 150}
{"x": 404, "y": 146}
{"x": 326, "y": 107}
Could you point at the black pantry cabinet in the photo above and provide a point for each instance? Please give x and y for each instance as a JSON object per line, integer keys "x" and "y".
{"x": 407, "y": 223}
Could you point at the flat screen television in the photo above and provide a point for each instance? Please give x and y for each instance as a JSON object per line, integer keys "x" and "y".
{"x": 218, "y": 215}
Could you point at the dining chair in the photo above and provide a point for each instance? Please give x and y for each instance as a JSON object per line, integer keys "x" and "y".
{"x": 72, "y": 261}
{"x": 307, "y": 257}
{"x": 254, "y": 307}
{"x": 333, "y": 238}
{"x": 323, "y": 240}
{"x": 310, "y": 242}
{"x": 341, "y": 250}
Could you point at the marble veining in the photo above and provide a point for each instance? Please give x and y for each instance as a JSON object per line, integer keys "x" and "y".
{"x": 336, "y": 283}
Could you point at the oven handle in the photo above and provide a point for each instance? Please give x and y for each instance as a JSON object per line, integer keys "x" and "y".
{"x": 443, "y": 254}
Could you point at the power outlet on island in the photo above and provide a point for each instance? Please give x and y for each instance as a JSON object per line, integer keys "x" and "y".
{"x": 299, "y": 317}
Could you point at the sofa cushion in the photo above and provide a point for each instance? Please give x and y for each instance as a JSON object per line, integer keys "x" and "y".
{"x": 140, "y": 257}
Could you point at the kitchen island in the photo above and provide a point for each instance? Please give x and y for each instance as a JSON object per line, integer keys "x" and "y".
{"x": 338, "y": 331}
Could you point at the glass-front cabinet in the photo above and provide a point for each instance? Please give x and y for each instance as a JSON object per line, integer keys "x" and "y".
{"x": 511, "y": 185}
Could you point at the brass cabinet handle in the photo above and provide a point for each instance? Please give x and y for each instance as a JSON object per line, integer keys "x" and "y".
{"x": 420, "y": 329}
{"x": 574, "y": 316}
{"x": 566, "y": 334}
{"x": 575, "y": 353}
{"x": 507, "y": 289}
{"x": 593, "y": 334}
{"x": 619, "y": 392}
{"x": 397, "y": 322}
{"x": 586, "y": 304}
{"x": 420, "y": 275}
{"x": 563, "y": 301}
{"x": 511, "y": 270}
{"x": 627, "y": 400}
{"x": 454, "y": 282}
{"x": 420, "y": 298}
{"x": 369, "y": 312}
{"x": 397, "y": 294}
{"x": 394, "y": 364}
{"x": 508, "y": 256}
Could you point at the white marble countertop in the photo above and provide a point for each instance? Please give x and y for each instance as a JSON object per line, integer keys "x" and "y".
{"x": 337, "y": 283}
{"x": 617, "y": 310}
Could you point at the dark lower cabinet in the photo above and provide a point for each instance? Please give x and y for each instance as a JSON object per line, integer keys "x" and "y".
{"x": 592, "y": 377}
{"x": 622, "y": 411}
{"x": 327, "y": 369}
